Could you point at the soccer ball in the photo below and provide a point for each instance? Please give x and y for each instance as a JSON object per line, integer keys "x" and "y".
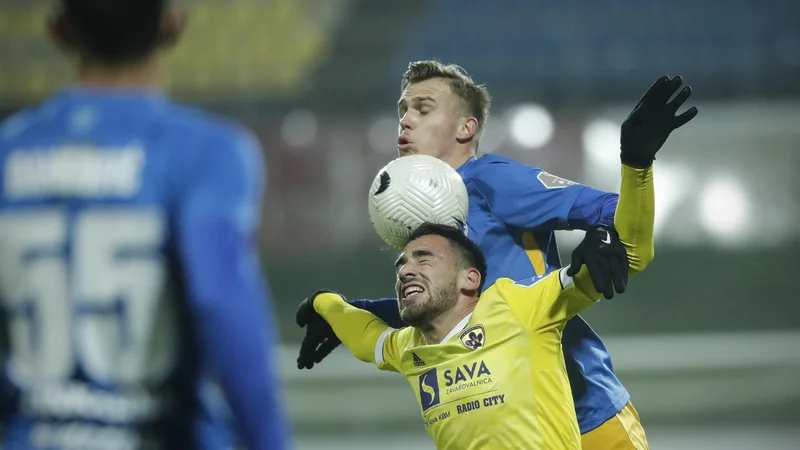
{"x": 412, "y": 190}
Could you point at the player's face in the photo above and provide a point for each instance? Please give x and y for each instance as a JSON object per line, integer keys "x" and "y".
{"x": 427, "y": 280}
{"x": 429, "y": 119}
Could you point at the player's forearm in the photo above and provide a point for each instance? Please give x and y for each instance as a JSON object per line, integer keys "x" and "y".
{"x": 635, "y": 216}
{"x": 385, "y": 308}
{"x": 634, "y": 221}
{"x": 358, "y": 329}
{"x": 228, "y": 305}
{"x": 592, "y": 207}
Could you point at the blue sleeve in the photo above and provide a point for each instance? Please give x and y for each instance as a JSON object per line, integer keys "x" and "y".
{"x": 592, "y": 207}
{"x": 216, "y": 227}
{"x": 527, "y": 197}
{"x": 384, "y": 308}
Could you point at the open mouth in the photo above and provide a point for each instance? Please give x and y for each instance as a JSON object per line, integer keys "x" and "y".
{"x": 410, "y": 291}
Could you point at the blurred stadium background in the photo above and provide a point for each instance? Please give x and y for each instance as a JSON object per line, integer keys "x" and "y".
{"x": 707, "y": 341}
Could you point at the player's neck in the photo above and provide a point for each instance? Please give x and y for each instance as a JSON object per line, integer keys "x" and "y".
{"x": 146, "y": 75}
{"x": 435, "y": 331}
{"x": 458, "y": 158}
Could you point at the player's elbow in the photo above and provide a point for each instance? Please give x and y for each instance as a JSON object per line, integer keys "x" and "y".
{"x": 640, "y": 258}
{"x": 363, "y": 350}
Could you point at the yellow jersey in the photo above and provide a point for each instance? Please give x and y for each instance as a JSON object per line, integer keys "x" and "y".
{"x": 498, "y": 380}
{"x": 499, "y": 383}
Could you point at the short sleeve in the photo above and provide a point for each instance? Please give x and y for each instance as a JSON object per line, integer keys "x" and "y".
{"x": 389, "y": 349}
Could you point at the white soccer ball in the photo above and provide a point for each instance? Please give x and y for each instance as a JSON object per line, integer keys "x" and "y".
{"x": 412, "y": 190}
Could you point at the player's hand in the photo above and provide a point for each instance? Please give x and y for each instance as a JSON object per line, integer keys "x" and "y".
{"x": 652, "y": 120}
{"x": 320, "y": 339}
{"x": 604, "y": 256}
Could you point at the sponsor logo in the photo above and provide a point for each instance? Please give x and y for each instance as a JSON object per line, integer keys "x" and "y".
{"x": 429, "y": 389}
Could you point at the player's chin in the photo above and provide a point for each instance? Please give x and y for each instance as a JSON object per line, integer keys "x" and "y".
{"x": 413, "y": 307}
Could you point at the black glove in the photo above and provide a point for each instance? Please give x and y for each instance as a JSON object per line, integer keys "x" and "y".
{"x": 604, "y": 255}
{"x": 652, "y": 120}
{"x": 320, "y": 340}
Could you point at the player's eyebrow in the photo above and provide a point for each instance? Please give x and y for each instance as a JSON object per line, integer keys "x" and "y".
{"x": 400, "y": 262}
{"x": 403, "y": 103}
{"x": 416, "y": 254}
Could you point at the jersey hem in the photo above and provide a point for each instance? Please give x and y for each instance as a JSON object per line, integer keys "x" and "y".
{"x": 600, "y": 418}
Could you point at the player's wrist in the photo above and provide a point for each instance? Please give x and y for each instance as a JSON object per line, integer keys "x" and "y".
{"x": 636, "y": 162}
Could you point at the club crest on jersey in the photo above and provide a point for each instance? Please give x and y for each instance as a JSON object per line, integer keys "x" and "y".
{"x": 473, "y": 337}
{"x": 551, "y": 181}
{"x": 429, "y": 389}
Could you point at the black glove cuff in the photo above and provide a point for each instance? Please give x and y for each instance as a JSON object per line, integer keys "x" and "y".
{"x": 636, "y": 161}
{"x": 324, "y": 291}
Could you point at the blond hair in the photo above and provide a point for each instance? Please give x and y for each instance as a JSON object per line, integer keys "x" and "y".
{"x": 475, "y": 98}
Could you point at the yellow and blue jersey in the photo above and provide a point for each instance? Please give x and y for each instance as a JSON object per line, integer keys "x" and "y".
{"x": 498, "y": 379}
{"x": 514, "y": 210}
{"x": 128, "y": 276}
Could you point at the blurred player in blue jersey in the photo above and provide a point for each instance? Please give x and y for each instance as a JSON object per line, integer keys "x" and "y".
{"x": 129, "y": 272}
{"x": 514, "y": 210}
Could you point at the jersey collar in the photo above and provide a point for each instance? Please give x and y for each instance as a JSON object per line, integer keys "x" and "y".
{"x": 464, "y": 166}
{"x": 458, "y": 328}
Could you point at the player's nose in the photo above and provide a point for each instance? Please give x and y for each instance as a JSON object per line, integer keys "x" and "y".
{"x": 405, "y": 123}
{"x": 406, "y": 273}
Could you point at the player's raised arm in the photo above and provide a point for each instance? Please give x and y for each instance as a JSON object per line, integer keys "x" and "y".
{"x": 644, "y": 132}
{"x": 597, "y": 261}
{"x": 367, "y": 337}
{"x": 527, "y": 197}
{"x": 228, "y": 304}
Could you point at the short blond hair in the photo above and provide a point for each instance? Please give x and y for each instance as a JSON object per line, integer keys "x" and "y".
{"x": 475, "y": 97}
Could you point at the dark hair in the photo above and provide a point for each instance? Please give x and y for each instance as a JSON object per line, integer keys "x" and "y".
{"x": 468, "y": 254}
{"x": 115, "y": 31}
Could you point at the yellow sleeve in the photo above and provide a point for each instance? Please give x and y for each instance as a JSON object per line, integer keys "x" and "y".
{"x": 369, "y": 338}
{"x": 634, "y": 221}
{"x": 557, "y": 298}
{"x": 549, "y": 302}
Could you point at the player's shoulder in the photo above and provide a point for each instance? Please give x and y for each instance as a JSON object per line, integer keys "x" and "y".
{"x": 492, "y": 168}
{"x": 497, "y": 291}
{"x": 28, "y": 122}
{"x": 509, "y": 289}
{"x": 499, "y": 162}
{"x": 215, "y": 142}
{"x": 210, "y": 127}
{"x": 405, "y": 338}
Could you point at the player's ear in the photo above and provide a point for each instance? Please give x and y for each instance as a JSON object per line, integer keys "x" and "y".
{"x": 467, "y": 128}
{"x": 471, "y": 280}
{"x": 172, "y": 27}
{"x": 58, "y": 29}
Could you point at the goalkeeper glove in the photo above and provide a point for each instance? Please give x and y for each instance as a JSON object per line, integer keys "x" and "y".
{"x": 652, "y": 120}
{"x": 320, "y": 339}
{"x": 604, "y": 256}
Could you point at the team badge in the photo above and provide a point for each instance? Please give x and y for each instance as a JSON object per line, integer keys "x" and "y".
{"x": 473, "y": 337}
{"x": 551, "y": 181}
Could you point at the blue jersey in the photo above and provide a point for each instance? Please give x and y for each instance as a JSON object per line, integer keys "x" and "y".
{"x": 129, "y": 277}
{"x": 514, "y": 210}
